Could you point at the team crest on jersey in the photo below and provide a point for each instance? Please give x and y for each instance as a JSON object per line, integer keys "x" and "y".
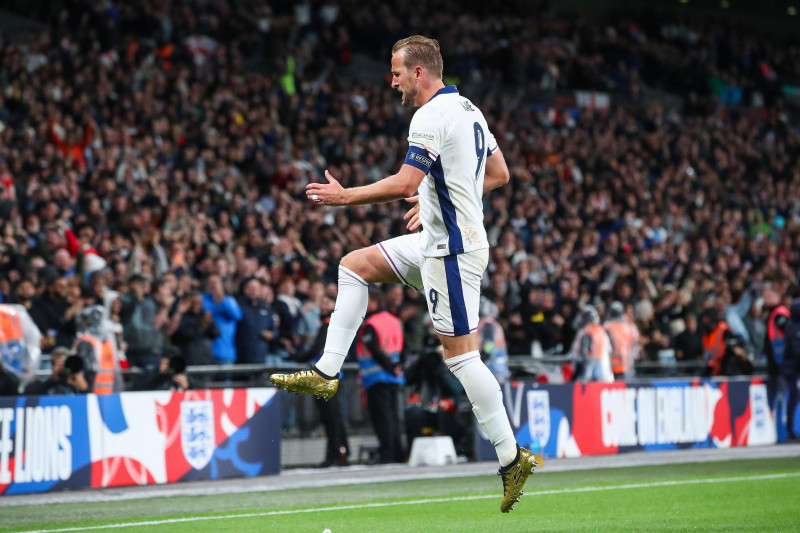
{"x": 197, "y": 432}
{"x": 539, "y": 416}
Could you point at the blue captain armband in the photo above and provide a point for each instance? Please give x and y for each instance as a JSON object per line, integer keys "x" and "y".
{"x": 419, "y": 158}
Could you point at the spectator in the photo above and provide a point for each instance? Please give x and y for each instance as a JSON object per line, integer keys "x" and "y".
{"x": 226, "y": 313}
{"x": 276, "y": 352}
{"x": 669, "y": 311}
{"x": 414, "y": 316}
{"x": 379, "y": 346}
{"x": 54, "y": 312}
{"x": 288, "y": 307}
{"x": 257, "y": 328}
{"x": 666, "y": 198}
{"x": 141, "y": 332}
{"x": 309, "y": 321}
{"x": 651, "y": 339}
{"x": 756, "y": 329}
{"x": 689, "y": 343}
{"x": 25, "y": 293}
{"x": 539, "y": 321}
{"x": 738, "y": 310}
{"x": 493, "y": 348}
{"x": 196, "y": 331}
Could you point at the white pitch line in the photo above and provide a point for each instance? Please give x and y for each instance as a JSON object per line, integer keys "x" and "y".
{"x": 357, "y": 475}
{"x": 420, "y": 502}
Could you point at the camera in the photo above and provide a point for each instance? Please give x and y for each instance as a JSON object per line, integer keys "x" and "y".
{"x": 733, "y": 340}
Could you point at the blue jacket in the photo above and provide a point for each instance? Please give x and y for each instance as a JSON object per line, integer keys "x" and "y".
{"x": 225, "y": 314}
{"x": 251, "y": 346}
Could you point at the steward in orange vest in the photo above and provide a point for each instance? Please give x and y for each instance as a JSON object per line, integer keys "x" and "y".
{"x": 592, "y": 348}
{"x": 379, "y": 345}
{"x": 624, "y": 342}
{"x": 713, "y": 330}
{"x": 98, "y": 349}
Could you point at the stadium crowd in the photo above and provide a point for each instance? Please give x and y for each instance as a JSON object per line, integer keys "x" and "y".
{"x": 154, "y": 157}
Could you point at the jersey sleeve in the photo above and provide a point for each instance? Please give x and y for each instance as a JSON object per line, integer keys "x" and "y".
{"x": 425, "y": 137}
{"x": 491, "y": 143}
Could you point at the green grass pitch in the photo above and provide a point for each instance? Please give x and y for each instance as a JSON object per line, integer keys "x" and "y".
{"x": 742, "y": 495}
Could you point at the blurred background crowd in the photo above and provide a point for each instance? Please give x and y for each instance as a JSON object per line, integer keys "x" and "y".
{"x": 154, "y": 156}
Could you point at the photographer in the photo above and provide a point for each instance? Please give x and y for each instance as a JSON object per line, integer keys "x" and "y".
{"x": 43, "y": 386}
{"x": 725, "y": 350}
{"x": 67, "y": 378}
{"x": 74, "y": 380}
{"x": 171, "y": 373}
{"x": 735, "y": 361}
{"x": 437, "y": 403}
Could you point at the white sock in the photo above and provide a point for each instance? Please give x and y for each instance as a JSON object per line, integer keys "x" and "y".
{"x": 487, "y": 402}
{"x": 351, "y": 307}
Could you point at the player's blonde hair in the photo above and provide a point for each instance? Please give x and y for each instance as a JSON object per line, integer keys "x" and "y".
{"x": 422, "y": 51}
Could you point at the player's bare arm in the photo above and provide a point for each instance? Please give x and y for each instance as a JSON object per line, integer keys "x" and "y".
{"x": 497, "y": 173}
{"x": 496, "y": 176}
{"x": 395, "y": 187}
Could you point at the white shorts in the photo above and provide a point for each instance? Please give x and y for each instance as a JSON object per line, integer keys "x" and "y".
{"x": 451, "y": 284}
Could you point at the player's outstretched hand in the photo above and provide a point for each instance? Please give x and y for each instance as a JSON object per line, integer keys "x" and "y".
{"x": 331, "y": 193}
{"x": 413, "y": 214}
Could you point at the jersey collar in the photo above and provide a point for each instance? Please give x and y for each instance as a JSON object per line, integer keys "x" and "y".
{"x": 445, "y": 90}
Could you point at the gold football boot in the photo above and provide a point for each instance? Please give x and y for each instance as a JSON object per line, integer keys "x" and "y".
{"x": 514, "y": 477}
{"x": 306, "y": 382}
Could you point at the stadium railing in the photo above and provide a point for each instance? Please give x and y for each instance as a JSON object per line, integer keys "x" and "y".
{"x": 255, "y": 374}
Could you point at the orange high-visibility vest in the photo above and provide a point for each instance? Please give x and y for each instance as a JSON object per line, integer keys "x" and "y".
{"x": 390, "y": 339}
{"x": 10, "y": 325}
{"x": 106, "y": 362}
{"x": 12, "y": 346}
{"x": 714, "y": 346}
{"x": 623, "y": 336}
{"x": 600, "y": 341}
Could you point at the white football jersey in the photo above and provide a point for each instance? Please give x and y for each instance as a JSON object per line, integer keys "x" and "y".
{"x": 449, "y": 140}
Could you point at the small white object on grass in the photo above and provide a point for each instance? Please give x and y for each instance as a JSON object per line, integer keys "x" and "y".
{"x": 326, "y": 530}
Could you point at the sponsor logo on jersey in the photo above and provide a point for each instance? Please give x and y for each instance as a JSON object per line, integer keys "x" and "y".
{"x": 422, "y": 135}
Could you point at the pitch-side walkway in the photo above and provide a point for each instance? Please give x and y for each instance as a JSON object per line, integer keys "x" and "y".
{"x": 302, "y": 478}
